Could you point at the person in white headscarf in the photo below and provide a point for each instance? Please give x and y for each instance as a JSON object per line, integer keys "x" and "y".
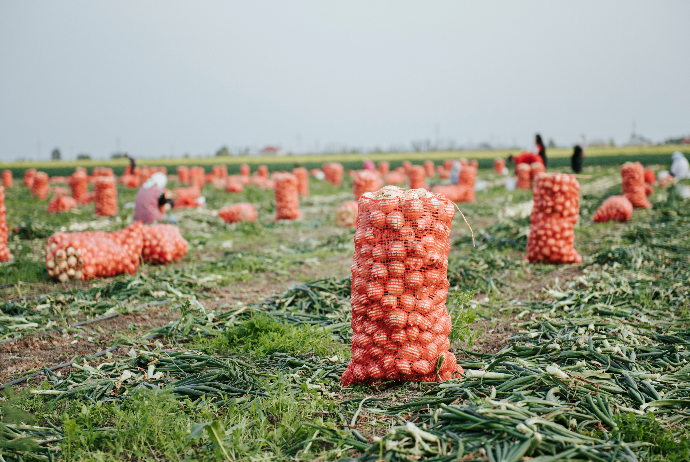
{"x": 455, "y": 172}
{"x": 680, "y": 168}
{"x": 151, "y": 199}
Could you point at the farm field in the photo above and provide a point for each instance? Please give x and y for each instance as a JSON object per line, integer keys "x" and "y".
{"x": 236, "y": 351}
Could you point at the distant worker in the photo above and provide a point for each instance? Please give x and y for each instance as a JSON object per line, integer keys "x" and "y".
{"x": 455, "y": 172}
{"x": 541, "y": 150}
{"x": 150, "y": 202}
{"x": 369, "y": 165}
{"x": 576, "y": 159}
{"x": 680, "y": 168}
{"x": 525, "y": 158}
{"x": 129, "y": 170}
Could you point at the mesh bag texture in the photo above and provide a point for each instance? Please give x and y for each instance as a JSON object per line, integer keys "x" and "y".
{"x": 466, "y": 182}
{"x": 143, "y": 174}
{"x": 333, "y": 173}
{"x": 448, "y": 164}
{"x": 183, "y": 174}
{"x": 302, "y": 175}
{"x": 39, "y": 186}
{"x": 554, "y": 214}
{"x": 7, "y": 179}
{"x": 233, "y": 184}
{"x": 29, "y": 175}
{"x": 105, "y": 196}
{"x": 632, "y": 174}
{"x": 649, "y": 176}
{"x": 61, "y": 203}
{"x": 648, "y": 189}
{"x": 102, "y": 171}
{"x": 346, "y": 214}
{"x": 197, "y": 176}
{"x": 86, "y": 199}
{"x": 262, "y": 171}
{"x": 535, "y": 169}
{"x": 59, "y": 191}
{"x": 399, "y": 288}
{"x": 474, "y": 163}
{"x": 220, "y": 171}
{"x": 56, "y": 179}
{"x": 524, "y": 175}
{"x": 384, "y": 167}
{"x": 5, "y": 254}
{"x": 616, "y": 208}
{"x": 406, "y": 165}
{"x": 417, "y": 175}
{"x": 242, "y": 211}
{"x": 499, "y": 165}
{"x": 365, "y": 181}
{"x": 163, "y": 244}
{"x": 394, "y": 178}
{"x": 245, "y": 170}
{"x": 429, "y": 168}
{"x": 78, "y": 184}
{"x": 286, "y": 197}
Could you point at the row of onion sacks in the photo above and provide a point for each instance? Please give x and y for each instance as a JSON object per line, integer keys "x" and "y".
{"x": 5, "y": 254}
{"x": 399, "y": 287}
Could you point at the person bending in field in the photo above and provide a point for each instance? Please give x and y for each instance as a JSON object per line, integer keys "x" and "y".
{"x": 129, "y": 170}
{"x": 576, "y": 159}
{"x": 541, "y": 150}
{"x": 525, "y": 158}
{"x": 151, "y": 202}
{"x": 680, "y": 168}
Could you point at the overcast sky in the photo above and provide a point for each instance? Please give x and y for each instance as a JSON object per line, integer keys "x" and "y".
{"x": 169, "y": 78}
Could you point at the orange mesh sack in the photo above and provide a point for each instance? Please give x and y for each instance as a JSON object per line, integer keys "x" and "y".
{"x": 245, "y": 170}
{"x": 649, "y": 176}
{"x": 105, "y": 196}
{"x": 5, "y": 254}
{"x": 86, "y": 199}
{"x": 499, "y": 165}
{"x": 632, "y": 174}
{"x": 648, "y": 189}
{"x": 406, "y": 165}
{"x": 616, "y": 208}
{"x": 466, "y": 182}
{"x": 346, "y": 214}
{"x": 395, "y": 178}
{"x": 262, "y": 171}
{"x": 61, "y": 204}
{"x": 302, "y": 175}
{"x": 197, "y": 175}
{"x": 234, "y": 184}
{"x": 29, "y": 175}
{"x": 524, "y": 176}
{"x": 287, "y": 199}
{"x": 554, "y": 214}
{"x": 417, "y": 175}
{"x": 384, "y": 167}
{"x": 235, "y": 213}
{"x": 399, "y": 288}
{"x": 103, "y": 171}
{"x": 333, "y": 173}
{"x": 77, "y": 183}
{"x": 220, "y": 171}
{"x": 535, "y": 169}
{"x": 429, "y": 168}
{"x": 183, "y": 174}
{"x": 365, "y": 181}
{"x": 163, "y": 244}
{"x": 39, "y": 186}
{"x": 474, "y": 163}
{"x": 7, "y": 179}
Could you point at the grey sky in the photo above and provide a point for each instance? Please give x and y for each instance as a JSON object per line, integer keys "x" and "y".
{"x": 188, "y": 77}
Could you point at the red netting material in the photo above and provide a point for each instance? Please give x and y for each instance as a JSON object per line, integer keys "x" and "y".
{"x": 220, "y": 171}
{"x": 102, "y": 171}
{"x": 29, "y": 175}
{"x": 286, "y": 196}
{"x": 384, "y": 167}
{"x": 262, "y": 171}
{"x": 648, "y": 189}
{"x": 474, "y": 163}
{"x": 417, "y": 175}
{"x": 394, "y": 178}
{"x": 234, "y": 184}
{"x": 649, "y": 176}
{"x": 554, "y": 214}
{"x": 302, "y": 175}
{"x": 77, "y": 183}
{"x": 346, "y": 214}
{"x": 617, "y": 208}
{"x": 5, "y": 254}
{"x": 466, "y": 182}
{"x": 39, "y": 186}
{"x": 197, "y": 176}
{"x": 632, "y": 174}
{"x": 333, "y": 173}
{"x": 245, "y": 170}
{"x": 94, "y": 254}
{"x": 535, "y": 169}
{"x": 399, "y": 288}
{"x": 163, "y": 244}
{"x": 183, "y": 174}
{"x": 7, "y": 179}
{"x": 61, "y": 203}
{"x": 105, "y": 196}
{"x": 524, "y": 176}
{"x": 429, "y": 168}
{"x": 365, "y": 181}
{"x": 499, "y": 165}
{"x": 242, "y": 211}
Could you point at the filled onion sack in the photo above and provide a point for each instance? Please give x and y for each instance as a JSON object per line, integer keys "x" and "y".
{"x": 394, "y": 178}
{"x": 333, "y": 173}
{"x": 29, "y": 175}
{"x": 467, "y": 179}
{"x": 417, "y": 175}
{"x": 649, "y": 176}
{"x": 234, "y": 184}
{"x": 535, "y": 169}
{"x": 302, "y": 175}
{"x": 499, "y": 165}
{"x": 235, "y": 213}
{"x": 365, "y": 181}
{"x": 61, "y": 203}
{"x": 7, "y": 179}
{"x": 262, "y": 171}
{"x": 554, "y": 214}
{"x": 616, "y": 208}
{"x": 399, "y": 288}
{"x": 524, "y": 176}
{"x": 648, "y": 189}
{"x": 78, "y": 184}
{"x": 632, "y": 174}
{"x": 346, "y": 214}
{"x": 102, "y": 171}
{"x": 197, "y": 176}
{"x": 383, "y": 167}
{"x": 39, "y": 186}
{"x": 183, "y": 174}
{"x": 429, "y": 168}
{"x": 220, "y": 171}
{"x": 406, "y": 165}
{"x": 286, "y": 196}
{"x": 245, "y": 170}
{"x": 163, "y": 244}
{"x": 5, "y": 254}
{"x": 105, "y": 196}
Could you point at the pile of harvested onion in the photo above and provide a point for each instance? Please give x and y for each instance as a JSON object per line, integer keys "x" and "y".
{"x": 7, "y": 179}
{"x": 163, "y": 244}
{"x": 617, "y": 208}
{"x": 5, "y": 254}
{"x": 29, "y": 175}
{"x": 105, "y": 196}
{"x": 286, "y": 196}
{"x": 417, "y": 175}
{"x": 235, "y": 213}
{"x": 39, "y": 186}
{"x": 61, "y": 203}
{"x": 333, "y": 173}
{"x": 632, "y": 174}
{"x": 524, "y": 176}
{"x": 365, "y": 181}
{"x": 302, "y": 175}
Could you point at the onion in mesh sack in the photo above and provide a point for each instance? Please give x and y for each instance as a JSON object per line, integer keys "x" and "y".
{"x": 39, "y": 186}
{"x": 286, "y": 197}
{"x": 7, "y": 179}
{"x": 346, "y": 214}
{"x": 29, "y": 175}
{"x": 235, "y": 213}
{"x": 365, "y": 181}
{"x": 5, "y": 254}
{"x": 105, "y": 196}
{"x": 617, "y": 208}
{"x": 61, "y": 203}
{"x": 632, "y": 174}
{"x": 163, "y": 244}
